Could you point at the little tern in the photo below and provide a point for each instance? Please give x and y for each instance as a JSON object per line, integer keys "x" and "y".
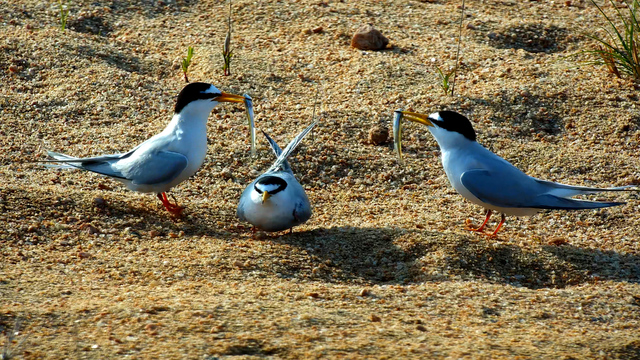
{"x": 166, "y": 159}
{"x": 276, "y": 201}
{"x": 488, "y": 180}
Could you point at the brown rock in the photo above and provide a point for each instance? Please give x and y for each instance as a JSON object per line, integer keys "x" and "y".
{"x": 99, "y": 201}
{"x": 317, "y": 30}
{"x": 369, "y": 38}
{"x": 378, "y": 134}
{"x": 375, "y": 318}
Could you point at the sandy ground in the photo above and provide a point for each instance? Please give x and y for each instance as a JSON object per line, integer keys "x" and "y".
{"x": 384, "y": 268}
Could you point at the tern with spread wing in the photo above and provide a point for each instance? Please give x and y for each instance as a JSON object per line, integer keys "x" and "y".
{"x": 166, "y": 159}
{"x": 276, "y": 201}
{"x": 488, "y": 180}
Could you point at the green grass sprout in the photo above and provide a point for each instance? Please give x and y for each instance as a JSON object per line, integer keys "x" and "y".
{"x": 453, "y": 83}
{"x": 618, "y": 49}
{"x": 226, "y": 50}
{"x": 186, "y": 62}
{"x": 445, "y": 84}
{"x": 64, "y": 14}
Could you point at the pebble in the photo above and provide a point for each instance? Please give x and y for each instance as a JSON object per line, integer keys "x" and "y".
{"x": 378, "y": 135}
{"x": 225, "y": 173}
{"x": 375, "y": 318}
{"x": 99, "y": 201}
{"x": 90, "y": 229}
{"x": 369, "y": 38}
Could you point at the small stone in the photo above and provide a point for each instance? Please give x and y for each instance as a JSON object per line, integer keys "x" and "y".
{"x": 624, "y": 128}
{"x": 365, "y": 292}
{"x": 173, "y": 235}
{"x": 90, "y": 229}
{"x": 317, "y": 30}
{"x": 216, "y": 329}
{"x": 154, "y": 233}
{"x": 84, "y": 255}
{"x": 369, "y": 38}
{"x": 13, "y": 69}
{"x": 314, "y": 295}
{"x": 177, "y": 63}
{"x": 152, "y": 329}
{"x": 225, "y": 173}
{"x": 470, "y": 26}
{"x": 99, "y": 201}
{"x": 375, "y": 318}
{"x": 254, "y": 173}
{"x": 32, "y": 228}
{"x": 378, "y": 135}
{"x": 421, "y": 328}
{"x": 557, "y": 241}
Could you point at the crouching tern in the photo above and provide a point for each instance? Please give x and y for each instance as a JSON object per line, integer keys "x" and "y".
{"x": 488, "y": 180}
{"x": 166, "y": 159}
{"x": 276, "y": 201}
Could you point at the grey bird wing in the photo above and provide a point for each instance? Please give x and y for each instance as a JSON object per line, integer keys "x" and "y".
{"x": 277, "y": 151}
{"x": 302, "y": 212}
{"x": 153, "y": 168}
{"x": 548, "y": 201}
{"x": 97, "y": 164}
{"x": 563, "y": 190}
{"x": 282, "y": 158}
{"x": 156, "y": 168}
{"x": 527, "y": 192}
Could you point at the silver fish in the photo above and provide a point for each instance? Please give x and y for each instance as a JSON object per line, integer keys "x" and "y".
{"x": 397, "y": 135}
{"x": 248, "y": 104}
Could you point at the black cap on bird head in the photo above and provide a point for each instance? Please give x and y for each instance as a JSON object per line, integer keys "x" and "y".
{"x": 203, "y": 91}
{"x": 453, "y": 121}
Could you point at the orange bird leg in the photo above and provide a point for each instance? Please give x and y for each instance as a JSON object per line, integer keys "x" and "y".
{"x": 489, "y": 212}
{"x": 174, "y": 209}
{"x": 499, "y": 226}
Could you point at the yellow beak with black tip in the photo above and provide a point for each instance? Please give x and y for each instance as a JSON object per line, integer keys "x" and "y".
{"x": 265, "y": 196}
{"x": 226, "y": 97}
{"x": 416, "y": 117}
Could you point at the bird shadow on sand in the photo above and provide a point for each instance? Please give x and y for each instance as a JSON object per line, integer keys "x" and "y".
{"x": 403, "y": 256}
{"x": 352, "y": 254}
{"x": 107, "y": 213}
{"x": 547, "y": 266}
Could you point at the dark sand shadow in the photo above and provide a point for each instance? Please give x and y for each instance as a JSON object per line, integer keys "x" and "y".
{"x": 547, "y": 267}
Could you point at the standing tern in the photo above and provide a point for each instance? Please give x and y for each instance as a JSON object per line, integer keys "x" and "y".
{"x": 488, "y": 180}
{"x": 276, "y": 201}
{"x": 166, "y": 159}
